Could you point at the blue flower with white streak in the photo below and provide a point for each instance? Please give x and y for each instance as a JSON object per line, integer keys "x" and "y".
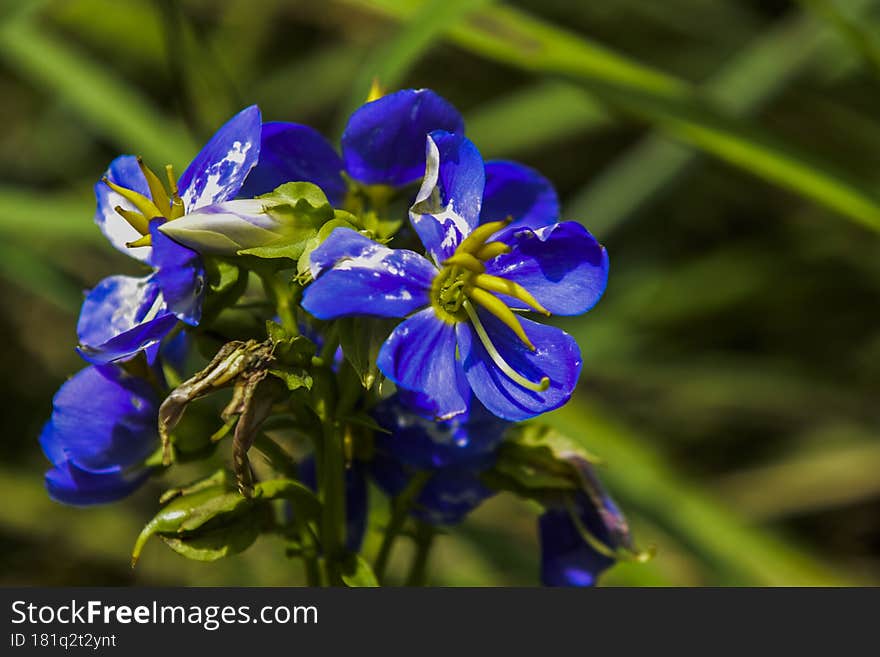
{"x": 103, "y": 427}
{"x": 454, "y": 452}
{"x": 494, "y": 250}
{"x": 123, "y": 315}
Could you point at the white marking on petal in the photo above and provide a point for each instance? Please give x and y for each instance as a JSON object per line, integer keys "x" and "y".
{"x": 212, "y": 189}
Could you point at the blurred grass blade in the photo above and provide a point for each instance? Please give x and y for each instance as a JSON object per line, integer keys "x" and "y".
{"x": 508, "y": 125}
{"x": 753, "y": 77}
{"x": 515, "y": 38}
{"x": 62, "y": 217}
{"x": 641, "y": 479}
{"x": 390, "y": 62}
{"x": 850, "y": 27}
{"x": 31, "y": 273}
{"x": 107, "y": 104}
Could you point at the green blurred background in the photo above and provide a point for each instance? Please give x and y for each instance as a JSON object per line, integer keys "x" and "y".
{"x": 727, "y": 152}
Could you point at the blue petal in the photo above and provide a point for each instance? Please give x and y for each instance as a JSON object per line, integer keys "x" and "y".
{"x": 70, "y": 485}
{"x": 219, "y": 170}
{"x": 419, "y": 355}
{"x": 515, "y": 190}
{"x": 102, "y": 419}
{"x": 561, "y": 265}
{"x": 427, "y": 444}
{"x": 557, "y": 356}
{"x": 290, "y": 152}
{"x": 121, "y": 316}
{"x": 355, "y": 499}
{"x": 447, "y": 207}
{"x": 125, "y": 172}
{"x": 357, "y": 276}
{"x": 180, "y": 275}
{"x": 384, "y": 141}
{"x": 566, "y": 557}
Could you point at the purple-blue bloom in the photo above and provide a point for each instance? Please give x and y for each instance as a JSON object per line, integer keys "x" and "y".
{"x": 123, "y": 314}
{"x": 455, "y": 452}
{"x": 383, "y": 144}
{"x": 461, "y": 333}
{"x": 102, "y": 428}
{"x": 578, "y": 542}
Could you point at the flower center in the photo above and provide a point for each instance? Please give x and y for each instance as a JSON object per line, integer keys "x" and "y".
{"x": 163, "y": 203}
{"x": 463, "y": 282}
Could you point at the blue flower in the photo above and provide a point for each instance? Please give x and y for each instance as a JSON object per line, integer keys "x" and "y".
{"x": 355, "y": 499}
{"x": 582, "y": 539}
{"x": 383, "y": 144}
{"x": 103, "y": 427}
{"x": 123, "y": 315}
{"x": 461, "y": 333}
{"x": 454, "y": 452}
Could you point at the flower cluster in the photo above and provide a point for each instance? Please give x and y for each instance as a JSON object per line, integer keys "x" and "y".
{"x": 374, "y": 347}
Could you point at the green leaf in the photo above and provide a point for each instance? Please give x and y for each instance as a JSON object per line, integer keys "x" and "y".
{"x": 356, "y": 572}
{"x": 361, "y": 339}
{"x": 218, "y": 543}
{"x": 293, "y": 377}
{"x": 169, "y": 519}
{"x": 304, "y": 500}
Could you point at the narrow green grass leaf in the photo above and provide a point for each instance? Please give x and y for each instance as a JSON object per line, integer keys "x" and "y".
{"x": 61, "y": 216}
{"x": 109, "y": 106}
{"x": 508, "y": 124}
{"x": 640, "y": 478}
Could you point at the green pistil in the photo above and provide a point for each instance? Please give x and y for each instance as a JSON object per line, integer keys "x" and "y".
{"x": 165, "y": 203}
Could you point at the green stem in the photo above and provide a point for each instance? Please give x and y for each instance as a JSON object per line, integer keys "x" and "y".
{"x": 283, "y": 296}
{"x": 333, "y": 489}
{"x": 399, "y": 511}
{"x": 418, "y": 570}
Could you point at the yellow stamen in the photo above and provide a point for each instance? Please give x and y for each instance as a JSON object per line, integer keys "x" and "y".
{"x": 511, "y": 289}
{"x": 498, "y": 308}
{"x": 146, "y": 240}
{"x": 502, "y": 364}
{"x": 467, "y": 261}
{"x": 157, "y": 190}
{"x": 475, "y": 241}
{"x": 177, "y": 209}
{"x": 144, "y": 205}
{"x": 136, "y": 219}
{"x": 491, "y": 250}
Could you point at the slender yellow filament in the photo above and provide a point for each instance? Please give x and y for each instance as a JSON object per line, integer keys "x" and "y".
{"x": 177, "y": 209}
{"x": 144, "y": 205}
{"x": 467, "y": 261}
{"x": 135, "y": 219}
{"x": 498, "y": 308}
{"x": 157, "y": 189}
{"x": 475, "y": 241}
{"x": 502, "y": 364}
{"x": 504, "y": 286}
{"x": 146, "y": 240}
{"x": 491, "y": 250}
